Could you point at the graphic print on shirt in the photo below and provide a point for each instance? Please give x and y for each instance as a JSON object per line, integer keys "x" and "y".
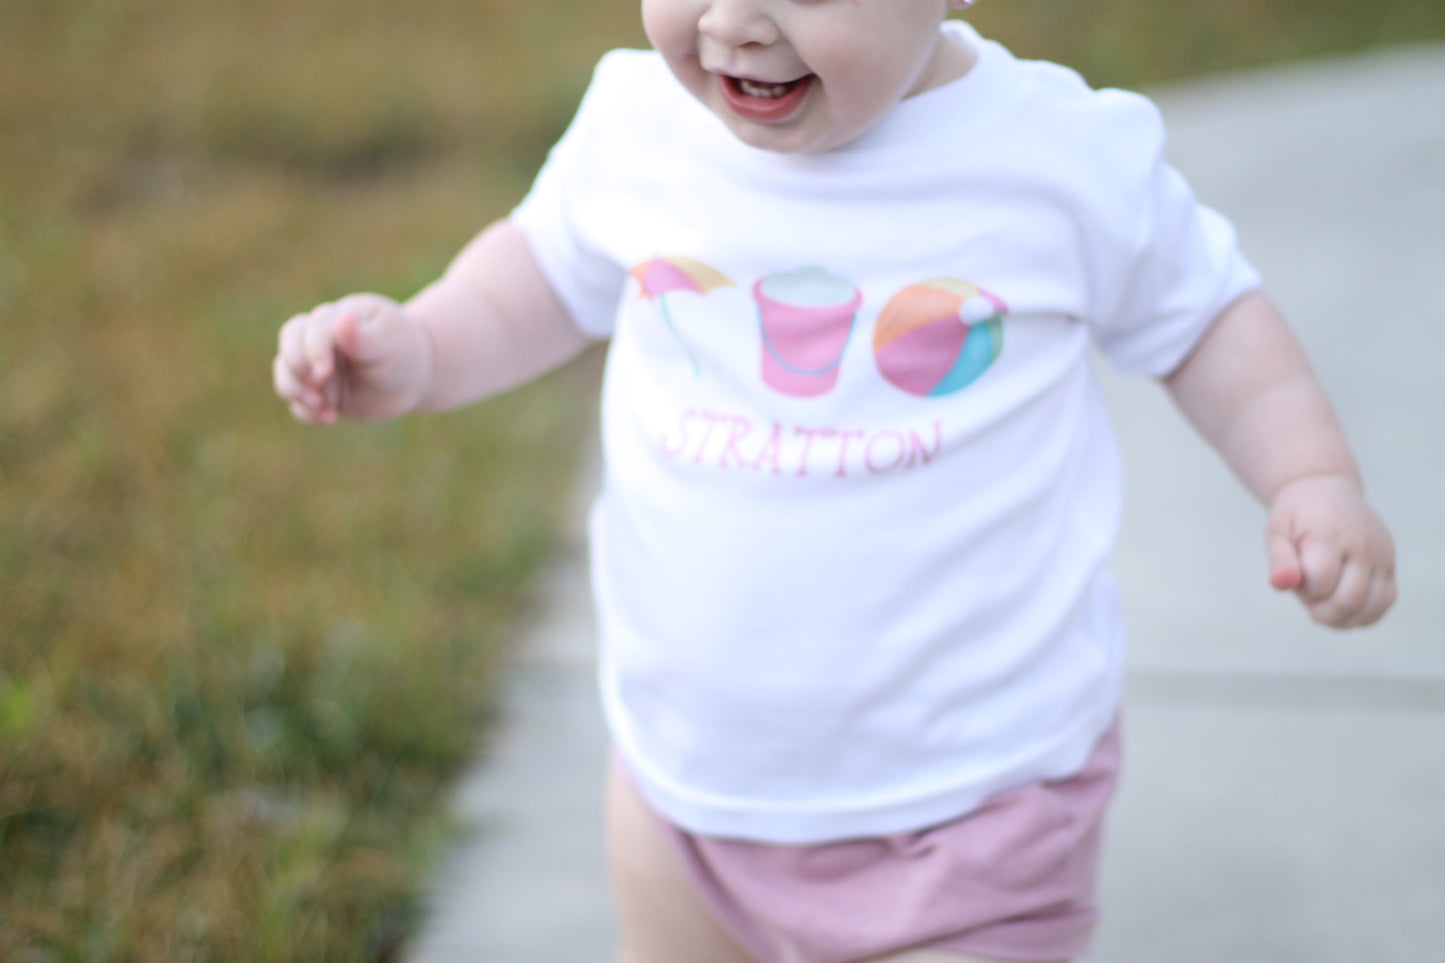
{"x": 931, "y": 339}
{"x": 936, "y": 337}
{"x": 805, "y": 318}
{"x": 662, "y": 276}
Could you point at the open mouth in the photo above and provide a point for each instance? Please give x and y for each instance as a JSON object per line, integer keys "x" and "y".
{"x": 758, "y": 88}
{"x": 762, "y": 100}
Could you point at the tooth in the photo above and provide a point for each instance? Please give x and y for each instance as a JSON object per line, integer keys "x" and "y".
{"x": 756, "y": 88}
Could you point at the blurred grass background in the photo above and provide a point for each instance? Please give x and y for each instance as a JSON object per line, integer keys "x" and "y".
{"x": 241, "y": 659}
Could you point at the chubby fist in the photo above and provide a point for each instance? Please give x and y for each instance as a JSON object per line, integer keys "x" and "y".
{"x": 362, "y": 356}
{"x": 1328, "y": 546}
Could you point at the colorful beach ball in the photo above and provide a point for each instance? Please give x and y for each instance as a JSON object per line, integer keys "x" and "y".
{"x": 937, "y": 337}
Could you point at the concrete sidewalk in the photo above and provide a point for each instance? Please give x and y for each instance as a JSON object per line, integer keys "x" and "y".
{"x": 1285, "y": 785}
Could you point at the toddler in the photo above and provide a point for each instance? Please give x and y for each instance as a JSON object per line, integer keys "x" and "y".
{"x": 860, "y": 655}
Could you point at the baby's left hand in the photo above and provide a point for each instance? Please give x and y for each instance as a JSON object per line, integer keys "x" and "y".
{"x": 1332, "y": 549}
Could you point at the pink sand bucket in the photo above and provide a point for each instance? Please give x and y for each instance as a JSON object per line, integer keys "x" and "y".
{"x": 804, "y": 336}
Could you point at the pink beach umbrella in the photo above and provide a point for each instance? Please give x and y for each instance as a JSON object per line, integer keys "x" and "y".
{"x": 662, "y": 276}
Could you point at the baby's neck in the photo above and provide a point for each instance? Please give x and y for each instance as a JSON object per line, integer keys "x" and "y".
{"x": 954, "y": 59}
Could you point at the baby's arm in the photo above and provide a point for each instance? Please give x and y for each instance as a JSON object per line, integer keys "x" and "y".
{"x": 1250, "y": 391}
{"x": 489, "y": 323}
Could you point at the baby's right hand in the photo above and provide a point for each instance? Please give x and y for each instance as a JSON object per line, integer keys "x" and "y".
{"x": 363, "y": 356}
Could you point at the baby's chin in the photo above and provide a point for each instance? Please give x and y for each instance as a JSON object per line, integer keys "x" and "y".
{"x": 799, "y": 139}
{"x": 813, "y": 132}
{"x": 773, "y": 144}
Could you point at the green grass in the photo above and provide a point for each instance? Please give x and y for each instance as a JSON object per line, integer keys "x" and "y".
{"x": 1132, "y": 43}
{"x": 241, "y": 659}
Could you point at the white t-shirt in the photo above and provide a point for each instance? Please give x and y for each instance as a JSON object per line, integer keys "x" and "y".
{"x": 860, "y": 485}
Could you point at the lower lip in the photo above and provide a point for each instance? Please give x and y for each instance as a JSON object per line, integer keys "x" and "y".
{"x": 765, "y": 109}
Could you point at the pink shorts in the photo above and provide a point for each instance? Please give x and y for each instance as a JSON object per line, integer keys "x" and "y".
{"x": 1014, "y": 880}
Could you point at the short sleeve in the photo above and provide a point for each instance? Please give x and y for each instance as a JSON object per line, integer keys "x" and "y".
{"x": 588, "y": 283}
{"x": 1182, "y": 269}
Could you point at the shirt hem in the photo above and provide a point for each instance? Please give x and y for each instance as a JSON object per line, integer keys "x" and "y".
{"x": 829, "y": 823}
